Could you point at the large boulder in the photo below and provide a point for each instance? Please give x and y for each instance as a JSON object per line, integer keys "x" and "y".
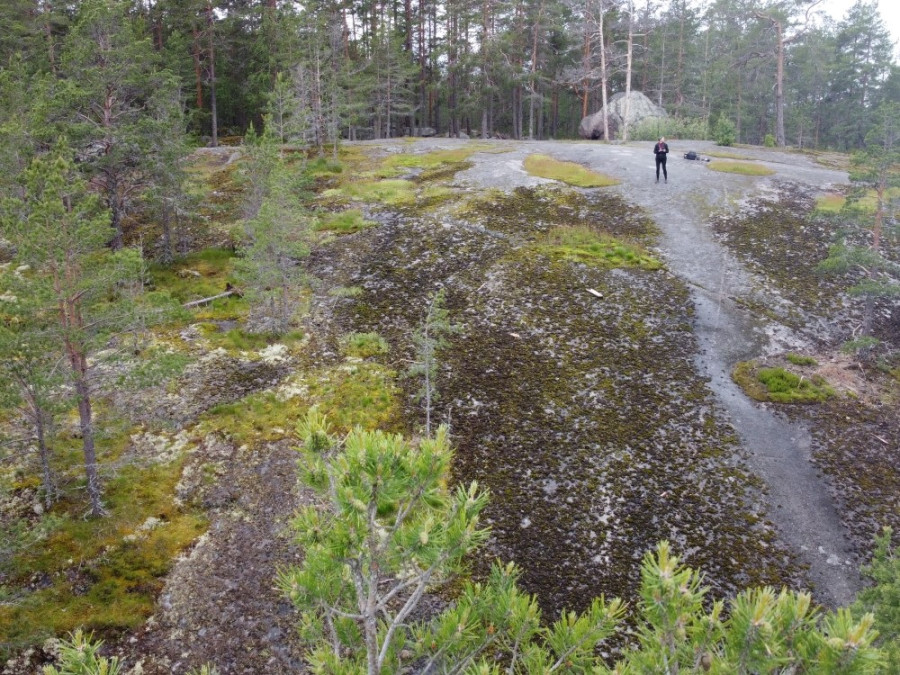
{"x": 640, "y": 108}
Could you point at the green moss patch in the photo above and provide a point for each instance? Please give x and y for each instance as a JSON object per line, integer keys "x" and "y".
{"x": 260, "y": 417}
{"x": 743, "y": 168}
{"x": 566, "y": 172}
{"x": 779, "y": 385}
{"x": 201, "y": 275}
{"x": 582, "y": 244}
{"x": 430, "y": 160}
{"x": 100, "y": 574}
{"x": 722, "y": 154}
{"x": 364, "y": 345}
{"x": 868, "y": 203}
{"x": 353, "y": 393}
{"x": 830, "y": 203}
{"x": 346, "y": 291}
{"x": 345, "y": 222}
{"x": 390, "y": 192}
{"x": 800, "y": 359}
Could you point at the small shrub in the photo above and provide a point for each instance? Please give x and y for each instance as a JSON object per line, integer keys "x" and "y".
{"x": 79, "y": 656}
{"x": 724, "y": 131}
{"x": 861, "y": 346}
{"x": 769, "y": 141}
{"x": 694, "y": 128}
{"x": 582, "y": 244}
{"x": 742, "y": 168}
{"x": 800, "y": 359}
{"x": 323, "y": 166}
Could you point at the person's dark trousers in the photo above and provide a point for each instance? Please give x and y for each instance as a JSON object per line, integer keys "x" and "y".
{"x": 661, "y": 159}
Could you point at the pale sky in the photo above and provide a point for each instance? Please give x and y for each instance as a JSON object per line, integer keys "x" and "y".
{"x": 889, "y": 10}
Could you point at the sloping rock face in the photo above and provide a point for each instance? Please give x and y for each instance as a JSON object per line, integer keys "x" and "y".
{"x": 640, "y": 108}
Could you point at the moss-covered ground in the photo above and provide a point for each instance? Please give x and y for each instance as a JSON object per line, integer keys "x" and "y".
{"x": 780, "y": 239}
{"x": 566, "y": 172}
{"x": 852, "y": 400}
{"x": 571, "y": 389}
{"x": 583, "y": 415}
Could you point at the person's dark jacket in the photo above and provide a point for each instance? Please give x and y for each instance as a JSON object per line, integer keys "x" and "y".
{"x": 661, "y": 150}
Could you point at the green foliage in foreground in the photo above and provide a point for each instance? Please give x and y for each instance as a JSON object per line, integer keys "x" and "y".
{"x": 391, "y": 530}
{"x": 882, "y": 598}
{"x": 79, "y": 656}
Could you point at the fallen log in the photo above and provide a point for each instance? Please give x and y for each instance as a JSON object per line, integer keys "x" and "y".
{"x": 204, "y": 301}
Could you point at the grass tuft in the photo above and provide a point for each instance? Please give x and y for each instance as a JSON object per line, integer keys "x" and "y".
{"x": 582, "y": 244}
{"x": 566, "y": 172}
{"x": 800, "y": 359}
{"x": 364, "y": 345}
{"x": 742, "y": 168}
{"x": 345, "y": 222}
{"x": 391, "y": 192}
{"x": 779, "y": 385}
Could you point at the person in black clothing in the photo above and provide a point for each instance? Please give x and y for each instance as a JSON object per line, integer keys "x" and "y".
{"x": 661, "y": 150}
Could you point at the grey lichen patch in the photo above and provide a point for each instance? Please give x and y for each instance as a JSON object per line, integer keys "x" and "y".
{"x": 777, "y": 236}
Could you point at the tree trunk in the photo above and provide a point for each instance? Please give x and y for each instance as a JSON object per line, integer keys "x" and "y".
{"x": 198, "y": 70}
{"x": 779, "y": 89}
{"x": 679, "y": 65}
{"x": 213, "y": 110}
{"x": 628, "y": 70}
{"x": 586, "y": 68}
{"x": 86, "y": 423}
{"x": 603, "y": 75}
{"x": 44, "y": 451}
{"x": 116, "y": 209}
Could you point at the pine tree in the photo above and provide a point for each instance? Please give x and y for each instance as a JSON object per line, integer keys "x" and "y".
{"x": 59, "y": 228}
{"x": 429, "y": 339}
{"x": 391, "y": 530}
{"x": 277, "y": 237}
{"x": 119, "y": 110}
{"x": 874, "y": 171}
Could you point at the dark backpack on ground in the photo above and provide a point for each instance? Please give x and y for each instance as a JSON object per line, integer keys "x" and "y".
{"x": 690, "y": 154}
